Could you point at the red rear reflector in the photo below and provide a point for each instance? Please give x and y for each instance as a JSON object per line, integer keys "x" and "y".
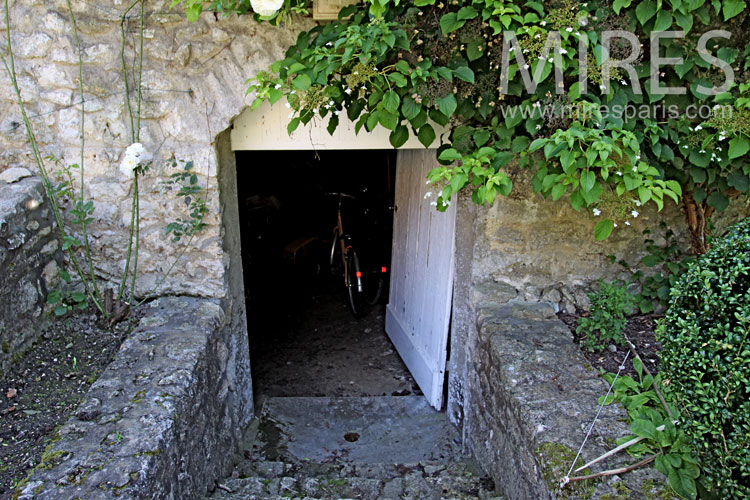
{"x": 359, "y": 274}
{"x": 383, "y": 269}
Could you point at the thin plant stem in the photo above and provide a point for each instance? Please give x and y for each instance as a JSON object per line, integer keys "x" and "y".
{"x": 621, "y": 470}
{"x": 648, "y": 372}
{"x": 10, "y": 69}
{"x": 137, "y": 196}
{"x": 133, "y": 220}
{"x": 87, "y": 247}
{"x": 140, "y": 80}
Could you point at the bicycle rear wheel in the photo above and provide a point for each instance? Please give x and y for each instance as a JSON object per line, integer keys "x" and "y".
{"x": 374, "y": 286}
{"x": 355, "y": 284}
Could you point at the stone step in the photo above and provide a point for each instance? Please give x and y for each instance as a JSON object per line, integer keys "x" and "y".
{"x": 271, "y": 469}
{"x": 419, "y": 483}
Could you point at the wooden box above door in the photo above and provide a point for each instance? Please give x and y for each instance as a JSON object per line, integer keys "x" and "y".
{"x": 328, "y": 10}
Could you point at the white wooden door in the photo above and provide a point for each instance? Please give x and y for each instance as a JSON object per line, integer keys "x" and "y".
{"x": 418, "y": 312}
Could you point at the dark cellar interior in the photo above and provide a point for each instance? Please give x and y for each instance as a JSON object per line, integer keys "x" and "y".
{"x": 303, "y": 339}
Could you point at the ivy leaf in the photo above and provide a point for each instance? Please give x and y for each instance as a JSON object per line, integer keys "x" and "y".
{"x": 447, "y": 105}
{"x": 645, "y": 11}
{"x": 399, "y": 136}
{"x": 391, "y": 101}
{"x": 738, "y": 147}
{"x": 732, "y": 7}
{"x": 450, "y": 22}
{"x": 603, "y": 229}
{"x": 464, "y": 73}
{"x": 426, "y": 135}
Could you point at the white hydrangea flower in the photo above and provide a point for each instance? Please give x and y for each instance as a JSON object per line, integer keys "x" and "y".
{"x": 434, "y": 203}
{"x": 698, "y": 127}
{"x": 266, "y": 7}
{"x": 597, "y": 212}
{"x": 569, "y": 29}
{"x": 627, "y": 223}
{"x": 635, "y": 213}
{"x": 427, "y": 194}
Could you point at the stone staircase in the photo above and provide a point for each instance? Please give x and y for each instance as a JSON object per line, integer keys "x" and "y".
{"x": 353, "y": 448}
{"x": 430, "y": 480}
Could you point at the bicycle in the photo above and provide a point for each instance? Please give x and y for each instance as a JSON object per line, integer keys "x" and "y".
{"x": 364, "y": 286}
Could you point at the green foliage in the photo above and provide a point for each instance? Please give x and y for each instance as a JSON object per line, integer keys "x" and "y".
{"x": 650, "y": 420}
{"x": 194, "y": 8}
{"x": 706, "y": 357}
{"x": 668, "y": 263}
{"x": 409, "y": 65}
{"x": 190, "y": 191}
{"x": 609, "y": 306}
{"x": 64, "y": 300}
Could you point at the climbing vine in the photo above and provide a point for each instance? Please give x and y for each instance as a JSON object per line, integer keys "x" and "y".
{"x": 613, "y": 105}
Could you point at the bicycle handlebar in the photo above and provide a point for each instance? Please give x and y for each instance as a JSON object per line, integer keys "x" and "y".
{"x": 342, "y": 195}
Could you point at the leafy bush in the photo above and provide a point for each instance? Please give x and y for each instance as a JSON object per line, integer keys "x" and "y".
{"x": 608, "y": 308}
{"x": 707, "y": 358}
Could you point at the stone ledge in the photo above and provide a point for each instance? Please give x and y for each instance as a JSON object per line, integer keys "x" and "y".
{"x": 533, "y": 400}
{"x": 29, "y": 263}
{"x": 159, "y": 423}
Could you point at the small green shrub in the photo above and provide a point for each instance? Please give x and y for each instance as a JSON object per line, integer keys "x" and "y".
{"x": 609, "y": 305}
{"x": 706, "y": 357}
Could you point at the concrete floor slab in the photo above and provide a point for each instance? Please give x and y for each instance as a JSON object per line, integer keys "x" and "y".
{"x": 392, "y": 429}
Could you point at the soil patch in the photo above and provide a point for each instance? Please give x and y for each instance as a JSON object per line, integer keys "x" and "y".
{"x": 640, "y": 331}
{"x": 41, "y": 390}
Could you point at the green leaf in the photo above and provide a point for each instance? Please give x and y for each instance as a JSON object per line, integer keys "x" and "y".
{"x": 60, "y": 310}
{"x": 481, "y": 136}
{"x": 663, "y": 21}
{"x": 682, "y": 483}
{"x": 464, "y": 73}
{"x": 643, "y": 428}
{"x": 588, "y": 179}
{"x": 684, "y": 21}
{"x": 738, "y": 147}
{"x": 387, "y": 119}
{"x": 467, "y": 13}
{"x": 718, "y": 200}
{"x": 292, "y": 125}
{"x": 450, "y": 154}
{"x": 410, "y": 108}
{"x": 537, "y": 143}
{"x": 519, "y": 144}
{"x": 619, "y": 4}
{"x": 603, "y": 229}
{"x": 450, "y": 22}
{"x": 558, "y": 191}
{"x": 732, "y": 7}
{"x": 391, "y": 101}
{"x": 54, "y": 297}
{"x": 475, "y": 48}
{"x": 447, "y": 105}
{"x": 638, "y": 365}
{"x": 399, "y": 136}
{"x": 426, "y": 135}
{"x": 738, "y": 181}
{"x": 645, "y": 11}
{"x": 651, "y": 260}
{"x": 302, "y": 82}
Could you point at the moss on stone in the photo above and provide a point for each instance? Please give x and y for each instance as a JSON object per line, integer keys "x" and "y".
{"x": 623, "y": 492}
{"x": 138, "y": 396}
{"x": 657, "y": 490}
{"x": 555, "y": 460}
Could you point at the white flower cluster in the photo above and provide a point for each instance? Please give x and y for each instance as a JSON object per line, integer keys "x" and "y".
{"x": 135, "y": 155}
{"x": 266, "y": 7}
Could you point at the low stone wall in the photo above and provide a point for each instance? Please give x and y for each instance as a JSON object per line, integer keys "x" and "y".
{"x": 533, "y": 398}
{"x": 163, "y": 419}
{"x": 29, "y": 259}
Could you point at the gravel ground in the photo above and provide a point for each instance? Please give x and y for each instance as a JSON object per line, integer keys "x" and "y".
{"x": 42, "y": 389}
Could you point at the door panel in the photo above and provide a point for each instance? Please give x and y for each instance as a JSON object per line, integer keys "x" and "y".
{"x": 418, "y": 312}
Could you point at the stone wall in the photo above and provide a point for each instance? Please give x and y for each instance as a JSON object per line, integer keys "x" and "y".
{"x": 534, "y": 400}
{"x": 193, "y": 85}
{"x": 29, "y": 259}
{"x": 163, "y": 419}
